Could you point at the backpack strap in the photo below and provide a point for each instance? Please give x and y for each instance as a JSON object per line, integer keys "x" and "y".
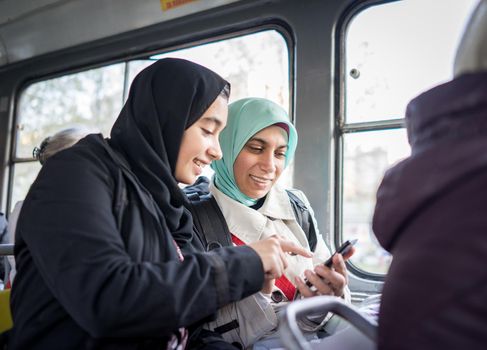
{"x": 212, "y": 227}
{"x": 304, "y": 219}
{"x": 210, "y": 223}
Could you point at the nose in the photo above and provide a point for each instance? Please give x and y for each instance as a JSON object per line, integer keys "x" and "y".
{"x": 215, "y": 151}
{"x": 267, "y": 162}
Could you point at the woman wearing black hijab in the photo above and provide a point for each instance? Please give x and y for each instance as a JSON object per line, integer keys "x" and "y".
{"x": 98, "y": 266}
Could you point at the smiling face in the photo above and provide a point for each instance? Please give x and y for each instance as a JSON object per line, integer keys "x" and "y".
{"x": 261, "y": 161}
{"x": 200, "y": 145}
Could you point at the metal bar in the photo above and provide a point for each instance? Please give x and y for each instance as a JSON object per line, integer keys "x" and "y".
{"x": 373, "y": 126}
{"x": 291, "y": 335}
{"x": 6, "y": 249}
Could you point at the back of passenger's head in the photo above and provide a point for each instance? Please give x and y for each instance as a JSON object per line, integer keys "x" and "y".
{"x": 471, "y": 54}
{"x": 57, "y": 142}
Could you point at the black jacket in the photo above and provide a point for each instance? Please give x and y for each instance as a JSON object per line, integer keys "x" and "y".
{"x": 121, "y": 295}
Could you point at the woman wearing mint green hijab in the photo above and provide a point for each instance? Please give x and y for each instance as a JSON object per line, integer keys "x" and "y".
{"x": 257, "y": 144}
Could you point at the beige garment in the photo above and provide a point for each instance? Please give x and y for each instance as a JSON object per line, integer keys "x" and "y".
{"x": 257, "y": 314}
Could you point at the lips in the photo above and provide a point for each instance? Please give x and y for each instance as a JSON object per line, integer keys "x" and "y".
{"x": 261, "y": 180}
{"x": 199, "y": 166}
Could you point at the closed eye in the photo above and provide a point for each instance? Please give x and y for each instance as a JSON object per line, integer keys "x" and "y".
{"x": 206, "y": 131}
{"x": 255, "y": 149}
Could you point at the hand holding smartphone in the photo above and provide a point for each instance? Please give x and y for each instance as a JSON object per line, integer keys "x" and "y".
{"x": 343, "y": 250}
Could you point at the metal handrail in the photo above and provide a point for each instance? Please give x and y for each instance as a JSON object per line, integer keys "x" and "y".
{"x": 291, "y": 334}
{"x": 6, "y": 249}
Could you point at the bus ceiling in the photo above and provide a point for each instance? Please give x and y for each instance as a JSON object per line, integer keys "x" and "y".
{"x": 31, "y": 28}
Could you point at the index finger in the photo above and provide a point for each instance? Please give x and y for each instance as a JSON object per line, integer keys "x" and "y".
{"x": 293, "y": 248}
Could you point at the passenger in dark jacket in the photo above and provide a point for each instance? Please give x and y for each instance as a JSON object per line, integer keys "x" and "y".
{"x": 431, "y": 213}
{"x": 98, "y": 265}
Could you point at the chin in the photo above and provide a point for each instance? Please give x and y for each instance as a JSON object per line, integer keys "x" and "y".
{"x": 257, "y": 196}
{"x": 187, "y": 180}
{"x": 190, "y": 181}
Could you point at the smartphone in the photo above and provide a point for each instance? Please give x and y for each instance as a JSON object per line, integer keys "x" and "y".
{"x": 343, "y": 249}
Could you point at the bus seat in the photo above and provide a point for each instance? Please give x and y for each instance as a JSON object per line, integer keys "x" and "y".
{"x": 5, "y": 315}
{"x": 361, "y": 335}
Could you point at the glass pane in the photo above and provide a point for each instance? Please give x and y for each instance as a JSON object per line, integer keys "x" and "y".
{"x": 91, "y": 98}
{"x": 395, "y": 51}
{"x": 367, "y": 156}
{"x": 24, "y": 175}
{"x": 255, "y": 64}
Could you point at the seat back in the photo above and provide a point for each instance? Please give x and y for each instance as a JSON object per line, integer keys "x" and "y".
{"x": 5, "y": 315}
{"x": 362, "y": 335}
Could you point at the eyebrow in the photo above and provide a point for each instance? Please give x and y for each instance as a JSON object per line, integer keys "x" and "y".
{"x": 264, "y": 142}
{"x": 214, "y": 120}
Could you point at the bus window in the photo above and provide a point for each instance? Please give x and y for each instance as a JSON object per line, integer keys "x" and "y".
{"x": 366, "y": 157}
{"x": 256, "y": 64}
{"x": 392, "y": 52}
{"x": 91, "y": 98}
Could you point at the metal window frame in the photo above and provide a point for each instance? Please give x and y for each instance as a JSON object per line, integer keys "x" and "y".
{"x": 342, "y": 128}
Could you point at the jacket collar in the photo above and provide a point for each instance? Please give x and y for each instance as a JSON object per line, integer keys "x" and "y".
{"x": 247, "y": 223}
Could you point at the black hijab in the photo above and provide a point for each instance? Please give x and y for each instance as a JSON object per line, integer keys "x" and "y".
{"x": 165, "y": 99}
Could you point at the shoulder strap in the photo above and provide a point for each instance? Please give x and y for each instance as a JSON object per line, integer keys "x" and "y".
{"x": 304, "y": 219}
{"x": 210, "y": 223}
{"x": 207, "y": 216}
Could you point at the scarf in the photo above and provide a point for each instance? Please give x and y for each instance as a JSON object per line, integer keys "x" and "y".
{"x": 246, "y": 117}
{"x": 164, "y": 100}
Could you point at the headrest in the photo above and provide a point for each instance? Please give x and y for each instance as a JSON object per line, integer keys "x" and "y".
{"x": 471, "y": 54}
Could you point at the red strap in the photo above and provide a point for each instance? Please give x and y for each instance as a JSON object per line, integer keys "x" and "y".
{"x": 282, "y": 283}
{"x": 286, "y": 287}
{"x": 237, "y": 241}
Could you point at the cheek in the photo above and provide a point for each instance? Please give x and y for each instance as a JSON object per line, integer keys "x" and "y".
{"x": 279, "y": 169}
{"x": 242, "y": 165}
{"x": 239, "y": 170}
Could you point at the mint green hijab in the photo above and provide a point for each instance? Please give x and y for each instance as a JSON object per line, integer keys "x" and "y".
{"x": 246, "y": 117}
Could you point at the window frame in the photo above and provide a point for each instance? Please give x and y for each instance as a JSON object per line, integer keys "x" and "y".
{"x": 277, "y": 25}
{"x": 341, "y": 128}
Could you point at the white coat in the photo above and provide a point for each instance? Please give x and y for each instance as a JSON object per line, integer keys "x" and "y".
{"x": 257, "y": 314}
